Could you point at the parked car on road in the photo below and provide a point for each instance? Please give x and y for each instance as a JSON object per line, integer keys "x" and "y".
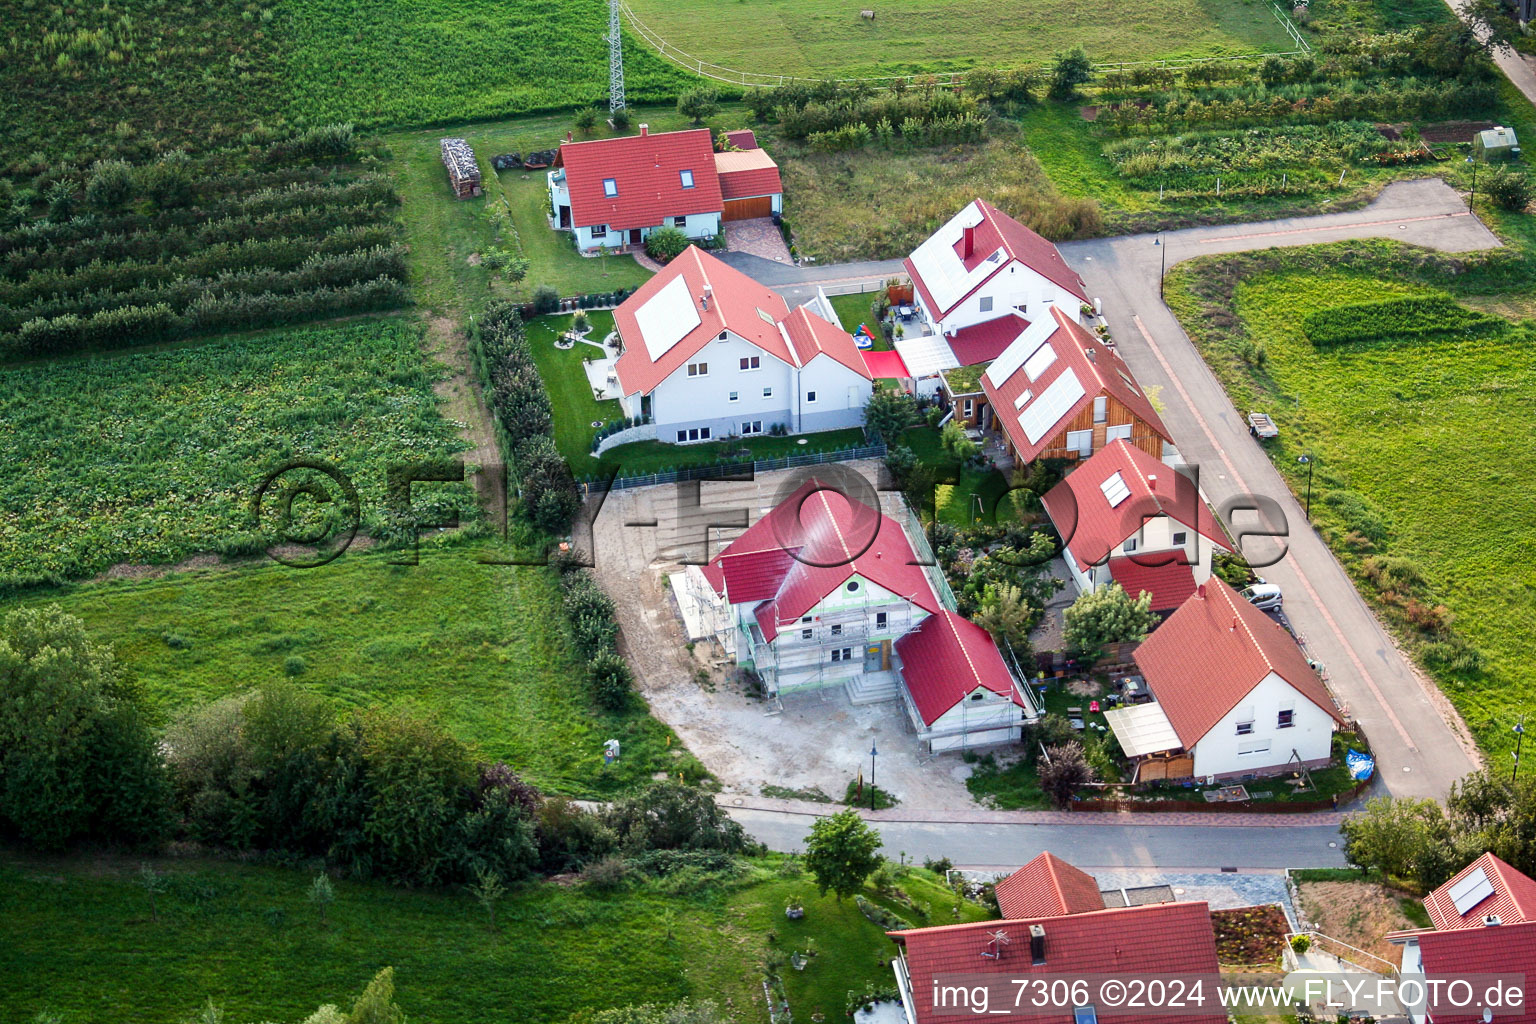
{"x": 1263, "y": 596}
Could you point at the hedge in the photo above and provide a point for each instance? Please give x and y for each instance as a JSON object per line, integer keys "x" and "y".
{"x": 1433, "y": 316}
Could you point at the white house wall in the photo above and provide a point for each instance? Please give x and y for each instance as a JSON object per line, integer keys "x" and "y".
{"x": 1153, "y": 542}
{"x": 974, "y": 723}
{"x": 1217, "y": 752}
{"x": 840, "y": 396}
{"x": 682, "y": 402}
{"x": 1010, "y": 288}
{"x": 696, "y": 226}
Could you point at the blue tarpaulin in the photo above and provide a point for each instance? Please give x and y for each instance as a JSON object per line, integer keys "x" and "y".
{"x": 1360, "y": 765}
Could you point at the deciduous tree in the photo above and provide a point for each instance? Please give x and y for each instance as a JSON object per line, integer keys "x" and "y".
{"x": 840, "y": 853}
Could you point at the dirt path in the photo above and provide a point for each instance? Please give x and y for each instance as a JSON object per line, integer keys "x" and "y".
{"x": 463, "y": 403}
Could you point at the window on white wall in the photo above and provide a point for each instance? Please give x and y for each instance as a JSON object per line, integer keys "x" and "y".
{"x": 1245, "y": 728}
{"x": 1287, "y": 716}
{"x": 806, "y": 634}
{"x": 1253, "y": 747}
{"x": 733, "y": 396}
{"x": 842, "y": 654}
{"x": 751, "y": 362}
{"x": 767, "y": 392}
{"x": 986, "y": 303}
{"x": 751, "y": 427}
{"x": 1180, "y": 537}
{"x": 698, "y": 369}
{"x": 679, "y": 222}
{"x": 810, "y": 397}
{"x": 599, "y": 230}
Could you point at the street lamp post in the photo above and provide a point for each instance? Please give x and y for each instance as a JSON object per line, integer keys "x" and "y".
{"x": 873, "y": 753}
{"x": 1306, "y": 460}
{"x": 1519, "y": 735}
{"x": 1162, "y": 269}
{"x": 1472, "y": 196}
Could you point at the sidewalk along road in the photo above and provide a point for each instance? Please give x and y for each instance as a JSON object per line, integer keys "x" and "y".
{"x": 1420, "y": 745}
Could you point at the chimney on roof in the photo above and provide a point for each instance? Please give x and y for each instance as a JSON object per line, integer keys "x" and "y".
{"x": 570, "y": 136}
{"x": 1152, "y": 481}
{"x": 1092, "y": 354}
{"x": 1234, "y": 623}
{"x": 645, "y": 130}
{"x": 1200, "y": 591}
{"x": 1037, "y": 944}
{"x": 968, "y": 242}
{"x": 1492, "y": 920}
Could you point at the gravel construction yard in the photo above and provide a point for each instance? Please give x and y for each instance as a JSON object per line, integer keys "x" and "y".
{"x": 817, "y": 741}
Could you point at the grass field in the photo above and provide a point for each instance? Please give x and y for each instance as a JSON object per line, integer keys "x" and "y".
{"x": 811, "y": 39}
{"x": 566, "y": 381}
{"x": 1426, "y": 434}
{"x": 472, "y": 642}
{"x": 151, "y": 456}
{"x": 82, "y": 944}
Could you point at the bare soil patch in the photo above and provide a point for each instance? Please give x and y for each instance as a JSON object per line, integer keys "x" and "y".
{"x": 462, "y": 403}
{"x": 1358, "y": 913}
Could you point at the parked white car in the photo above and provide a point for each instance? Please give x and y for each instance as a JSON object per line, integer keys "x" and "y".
{"x": 1263, "y": 596}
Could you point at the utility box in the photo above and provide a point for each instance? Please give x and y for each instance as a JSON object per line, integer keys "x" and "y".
{"x": 1496, "y": 144}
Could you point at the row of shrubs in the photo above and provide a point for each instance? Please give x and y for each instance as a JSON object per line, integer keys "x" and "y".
{"x": 547, "y": 299}
{"x": 900, "y": 115}
{"x": 282, "y": 774}
{"x": 339, "y": 270}
{"x": 1401, "y": 319}
{"x": 122, "y": 326}
{"x": 963, "y": 128}
{"x": 612, "y": 427}
{"x": 101, "y": 275}
{"x": 548, "y": 495}
{"x": 595, "y": 633}
{"x": 1403, "y": 99}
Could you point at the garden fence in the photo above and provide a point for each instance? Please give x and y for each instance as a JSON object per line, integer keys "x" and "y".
{"x": 716, "y": 470}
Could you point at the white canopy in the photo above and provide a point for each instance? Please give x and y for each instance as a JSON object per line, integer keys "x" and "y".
{"x": 1142, "y": 729}
{"x": 926, "y": 354}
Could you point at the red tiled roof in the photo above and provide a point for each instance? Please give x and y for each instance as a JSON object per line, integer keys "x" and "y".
{"x": 945, "y": 659}
{"x": 1098, "y": 368}
{"x": 1501, "y": 949}
{"x": 1170, "y": 585}
{"x": 886, "y": 365}
{"x": 735, "y": 300}
{"x": 1048, "y": 887}
{"x": 742, "y": 138}
{"x": 1166, "y": 938}
{"x": 831, "y": 539}
{"x": 1092, "y": 529}
{"x": 1513, "y": 898}
{"x": 811, "y": 336}
{"x": 998, "y": 230}
{"x": 648, "y": 172}
{"x": 749, "y": 173}
{"x": 1212, "y": 652}
{"x": 984, "y": 342}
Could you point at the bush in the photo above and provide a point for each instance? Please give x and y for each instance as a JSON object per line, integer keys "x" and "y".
{"x": 1301, "y": 943}
{"x": 672, "y": 816}
{"x": 1071, "y": 70}
{"x": 699, "y": 103}
{"x": 621, "y": 119}
{"x": 110, "y": 185}
{"x": 1510, "y": 189}
{"x": 611, "y": 681}
{"x": 545, "y": 299}
{"x": 606, "y": 875}
{"x": 1063, "y": 771}
{"x": 666, "y": 244}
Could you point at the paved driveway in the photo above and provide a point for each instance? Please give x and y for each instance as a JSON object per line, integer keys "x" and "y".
{"x": 1406, "y": 717}
{"x": 758, "y": 237}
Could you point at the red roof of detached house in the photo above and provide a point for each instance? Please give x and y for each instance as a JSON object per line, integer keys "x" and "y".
{"x": 722, "y": 298}
{"x": 751, "y": 172}
{"x": 945, "y": 659}
{"x": 742, "y": 138}
{"x": 996, "y": 230}
{"x": 1048, "y": 887}
{"x": 1098, "y": 370}
{"x": 1170, "y": 584}
{"x": 807, "y": 546}
{"x": 1166, "y": 938}
{"x": 1507, "y": 949}
{"x": 647, "y": 172}
{"x": 1212, "y": 652}
{"x": 1510, "y": 895}
{"x": 1095, "y": 515}
{"x": 984, "y": 342}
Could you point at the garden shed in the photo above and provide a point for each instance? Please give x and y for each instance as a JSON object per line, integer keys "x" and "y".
{"x": 463, "y": 169}
{"x": 1496, "y": 144}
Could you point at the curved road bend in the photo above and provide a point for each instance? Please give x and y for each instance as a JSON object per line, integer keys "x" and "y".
{"x": 1418, "y": 752}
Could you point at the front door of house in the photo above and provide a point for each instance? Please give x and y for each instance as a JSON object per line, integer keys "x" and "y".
{"x": 634, "y": 236}
{"x": 873, "y": 657}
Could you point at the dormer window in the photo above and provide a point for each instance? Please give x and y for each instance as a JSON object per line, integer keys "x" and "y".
{"x": 610, "y": 187}
{"x": 687, "y": 178}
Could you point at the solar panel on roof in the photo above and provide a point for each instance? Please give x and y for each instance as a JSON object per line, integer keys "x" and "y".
{"x": 667, "y": 317}
{"x": 1471, "y": 891}
{"x": 1042, "y": 414}
{"x": 1115, "y": 490}
{"x": 1039, "y": 362}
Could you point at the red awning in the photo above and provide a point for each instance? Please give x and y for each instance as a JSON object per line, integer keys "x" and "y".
{"x": 1170, "y": 585}
{"x": 886, "y": 365}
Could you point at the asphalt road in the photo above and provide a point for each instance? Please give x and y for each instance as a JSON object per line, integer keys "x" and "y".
{"x": 1417, "y": 752}
{"x": 1005, "y": 847}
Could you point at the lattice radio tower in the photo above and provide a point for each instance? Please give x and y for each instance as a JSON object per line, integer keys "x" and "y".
{"x": 615, "y": 60}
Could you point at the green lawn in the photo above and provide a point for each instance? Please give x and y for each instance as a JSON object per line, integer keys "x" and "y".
{"x": 1418, "y": 453}
{"x": 642, "y": 457}
{"x": 956, "y": 503}
{"x": 81, "y": 943}
{"x": 475, "y": 643}
{"x": 854, "y": 309}
{"x": 152, "y": 456}
{"x": 811, "y": 38}
{"x": 569, "y": 391}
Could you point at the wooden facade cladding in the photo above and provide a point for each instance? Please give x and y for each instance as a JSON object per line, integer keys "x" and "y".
{"x": 1143, "y": 435}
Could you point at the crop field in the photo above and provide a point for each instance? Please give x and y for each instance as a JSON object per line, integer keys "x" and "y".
{"x": 86, "y": 948}
{"x": 809, "y": 38}
{"x": 1424, "y": 483}
{"x": 469, "y": 641}
{"x": 152, "y": 456}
